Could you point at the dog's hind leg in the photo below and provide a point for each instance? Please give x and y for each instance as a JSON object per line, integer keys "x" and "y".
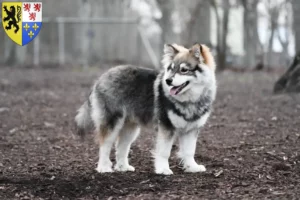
{"x": 187, "y": 145}
{"x": 107, "y": 137}
{"x": 127, "y": 136}
{"x": 107, "y": 128}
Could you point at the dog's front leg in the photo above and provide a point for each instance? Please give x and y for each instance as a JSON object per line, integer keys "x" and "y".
{"x": 187, "y": 144}
{"x": 164, "y": 142}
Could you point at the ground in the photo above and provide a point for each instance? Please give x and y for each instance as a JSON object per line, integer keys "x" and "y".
{"x": 250, "y": 145}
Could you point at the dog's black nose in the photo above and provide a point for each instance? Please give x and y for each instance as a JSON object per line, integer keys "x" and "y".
{"x": 169, "y": 81}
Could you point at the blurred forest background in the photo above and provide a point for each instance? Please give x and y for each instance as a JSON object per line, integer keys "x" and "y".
{"x": 243, "y": 34}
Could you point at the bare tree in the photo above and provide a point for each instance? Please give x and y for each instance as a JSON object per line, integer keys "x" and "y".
{"x": 274, "y": 9}
{"x": 166, "y": 24}
{"x": 286, "y": 25}
{"x": 222, "y": 31}
{"x": 296, "y": 16}
{"x": 251, "y": 39}
{"x": 194, "y": 20}
{"x": 273, "y": 16}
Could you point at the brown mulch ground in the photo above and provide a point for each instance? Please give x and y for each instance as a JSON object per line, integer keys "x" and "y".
{"x": 251, "y": 145}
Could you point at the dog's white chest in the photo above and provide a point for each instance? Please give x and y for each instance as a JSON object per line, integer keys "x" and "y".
{"x": 180, "y": 123}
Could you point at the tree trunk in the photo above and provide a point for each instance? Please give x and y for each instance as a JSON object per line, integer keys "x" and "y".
{"x": 194, "y": 28}
{"x": 166, "y": 24}
{"x": 223, "y": 45}
{"x": 284, "y": 45}
{"x": 250, "y": 32}
{"x": 270, "y": 44}
{"x": 296, "y": 16}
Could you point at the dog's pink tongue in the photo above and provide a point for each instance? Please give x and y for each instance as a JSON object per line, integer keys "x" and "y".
{"x": 174, "y": 90}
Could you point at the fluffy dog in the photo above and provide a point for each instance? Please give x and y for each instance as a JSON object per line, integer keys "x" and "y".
{"x": 177, "y": 100}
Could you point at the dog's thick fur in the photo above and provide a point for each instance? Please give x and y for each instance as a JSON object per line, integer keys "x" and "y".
{"x": 178, "y": 101}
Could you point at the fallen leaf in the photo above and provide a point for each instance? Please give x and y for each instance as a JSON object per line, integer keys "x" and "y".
{"x": 218, "y": 173}
{"x": 14, "y": 130}
{"x": 146, "y": 181}
{"x": 278, "y": 193}
{"x": 260, "y": 119}
{"x": 49, "y": 125}
{"x": 4, "y": 109}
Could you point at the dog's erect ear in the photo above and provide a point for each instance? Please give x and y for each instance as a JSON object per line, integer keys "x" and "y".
{"x": 202, "y": 53}
{"x": 207, "y": 56}
{"x": 195, "y": 50}
{"x": 170, "y": 50}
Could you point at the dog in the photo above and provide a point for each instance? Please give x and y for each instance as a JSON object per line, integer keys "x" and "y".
{"x": 177, "y": 100}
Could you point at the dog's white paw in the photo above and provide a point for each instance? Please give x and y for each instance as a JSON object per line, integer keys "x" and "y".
{"x": 164, "y": 171}
{"x": 195, "y": 168}
{"x": 124, "y": 168}
{"x": 104, "y": 169}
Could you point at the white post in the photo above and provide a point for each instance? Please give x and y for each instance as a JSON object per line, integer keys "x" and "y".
{"x": 61, "y": 41}
{"x": 84, "y": 13}
{"x": 36, "y": 51}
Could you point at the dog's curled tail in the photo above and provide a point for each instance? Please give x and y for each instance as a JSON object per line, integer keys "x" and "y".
{"x": 83, "y": 120}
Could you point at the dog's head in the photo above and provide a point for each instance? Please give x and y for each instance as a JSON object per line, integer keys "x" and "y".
{"x": 187, "y": 71}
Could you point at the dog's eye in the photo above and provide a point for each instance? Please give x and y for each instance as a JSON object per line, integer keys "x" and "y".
{"x": 183, "y": 70}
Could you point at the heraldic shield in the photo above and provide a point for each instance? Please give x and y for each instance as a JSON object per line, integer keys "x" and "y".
{"x": 22, "y": 21}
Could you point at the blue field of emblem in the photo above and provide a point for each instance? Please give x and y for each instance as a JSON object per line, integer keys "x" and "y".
{"x": 29, "y": 31}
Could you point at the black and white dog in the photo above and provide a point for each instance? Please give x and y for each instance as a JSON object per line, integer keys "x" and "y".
{"x": 178, "y": 101}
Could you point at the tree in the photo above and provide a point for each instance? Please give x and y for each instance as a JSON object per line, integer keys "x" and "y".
{"x": 277, "y": 9}
{"x": 222, "y": 31}
{"x": 251, "y": 39}
{"x": 165, "y": 23}
{"x": 274, "y": 8}
{"x": 287, "y": 26}
{"x": 296, "y": 16}
{"x": 193, "y": 17}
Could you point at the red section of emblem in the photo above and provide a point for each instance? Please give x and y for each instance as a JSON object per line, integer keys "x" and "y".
{"x": 26, "y": 7}
{"x": 32, "y": 16}
{"x": 37, "y": 7}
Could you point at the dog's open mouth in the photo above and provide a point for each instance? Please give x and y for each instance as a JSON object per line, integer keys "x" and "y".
{"x": 176, "y": 89}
